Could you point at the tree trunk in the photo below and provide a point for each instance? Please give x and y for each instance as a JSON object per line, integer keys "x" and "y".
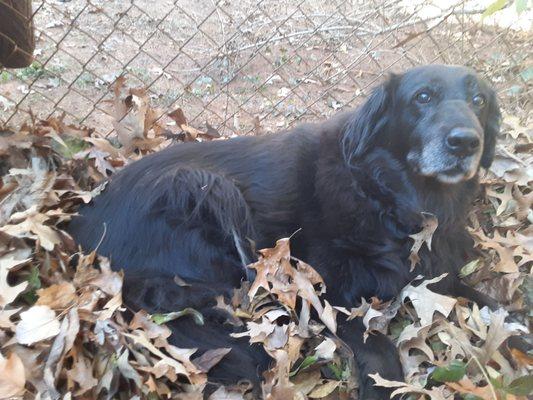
{"x": 17, "y": 40}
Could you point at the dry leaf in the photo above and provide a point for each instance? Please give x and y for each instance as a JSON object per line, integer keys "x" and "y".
{"x": 426, "y": 302}
{"x": 12, "y": 376}
{"x": 429, "y": 226}
{"x": 223, "y": 394}
{"x": 324, "y": 389}
{"x": 36, "y": 324}
{"x": 58, "y": 296}
{"x": 9, "y": 293}
{"x": 209, "y": 359}
{"x": 326, "y": 349}
{"x": 32, "y": 226}
{"x": 402, "y": 387}
{"x": 82, "y": 374}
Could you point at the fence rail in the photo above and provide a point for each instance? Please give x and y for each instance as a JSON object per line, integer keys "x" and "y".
{"x": 250, "y": 66}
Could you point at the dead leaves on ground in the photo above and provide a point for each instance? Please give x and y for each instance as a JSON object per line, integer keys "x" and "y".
{"x": 64, "y": 332}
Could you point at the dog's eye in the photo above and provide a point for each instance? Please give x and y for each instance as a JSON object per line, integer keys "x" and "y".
{"x": 478, "y": 100}
{"x": 423, "y": 97}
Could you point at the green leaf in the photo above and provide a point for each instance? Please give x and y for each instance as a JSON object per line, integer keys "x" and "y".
{"x": 306, "y": 363}
{"x": 521, "y": 6}
{"x": 33, "y": 278}
{"x": 470, "y": 396}
{"x": 470, "y": 268}
{"x": 494, "y": 7}
{"x": 450, "y": 373}
{"x": 337, "y": 372}
{"x": 34, "y": 283}
{"x": 70, "y": 146}
{"x": 522, "y": 386}
{"x": 160, "y": 319}
{"x": 527, "y": 74}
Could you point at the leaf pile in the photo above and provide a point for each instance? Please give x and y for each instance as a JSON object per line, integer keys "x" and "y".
{"x": 65, "y": 332}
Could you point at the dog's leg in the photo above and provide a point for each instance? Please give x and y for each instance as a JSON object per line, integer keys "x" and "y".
{"x": 375, "y": 355}
{"x": 481, "y": 299}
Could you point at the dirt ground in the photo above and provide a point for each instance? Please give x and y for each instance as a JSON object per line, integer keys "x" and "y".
{"x": 249, "y": 66}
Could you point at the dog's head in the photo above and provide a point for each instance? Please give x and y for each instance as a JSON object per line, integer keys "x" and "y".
{"x": 441, "y": 120}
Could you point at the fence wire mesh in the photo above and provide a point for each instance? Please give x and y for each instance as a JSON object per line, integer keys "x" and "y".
{"x": 251, "y": 66}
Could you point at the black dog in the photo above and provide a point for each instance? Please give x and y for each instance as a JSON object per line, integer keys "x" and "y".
{"x": 355, "y": 185}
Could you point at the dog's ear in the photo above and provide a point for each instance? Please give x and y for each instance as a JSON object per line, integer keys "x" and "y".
{"x": 492, "y": 129}
{"x": 369, "y": 120}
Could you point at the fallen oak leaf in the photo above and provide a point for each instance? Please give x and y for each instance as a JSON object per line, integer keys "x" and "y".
{"x": 142, "y": 320}
{"x": 57, "y": 296}
{"x": 33, "y": 187}
{"x": 140, "y": 339}
{"x": 32, "y": 226}
{"x": 181, "y": 121}
{"x": 258, "y": 332}
{"x": 505, "y": 197}
{"x": 426, "y": 302}
{"x": 429, "y": 226}
{"x": 5, "y": 318}
{"x": 324, "y": 389}
{"x": 524, "y": 204}
{"x": 466, "y": 386}
{"x": 12, "y": 376}
{"x": 210, "y": 358}
{"x": 82, "y": 374}
{"x": 403, "y": 387}
{"x": 326, "y": 349}
{"x": 36, "y": 324}
{"x": 127, "y": 370}
{"x": 414, "y": 337}
{"x": 178, "y": 116}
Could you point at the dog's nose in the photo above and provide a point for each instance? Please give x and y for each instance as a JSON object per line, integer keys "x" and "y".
{"x": 462, "y": 142}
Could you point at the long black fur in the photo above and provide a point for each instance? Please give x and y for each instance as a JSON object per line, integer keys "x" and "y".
{"x": 347, "y": 184}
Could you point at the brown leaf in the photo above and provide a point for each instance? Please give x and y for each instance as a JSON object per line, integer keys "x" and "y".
{"x": 274, "y": 273}
{"x": 9, "y": 293}
{"x": 502, "y": 288}
{"x": 5, "y": 318}
{"x": 426, "y": 302}
{"x": 466, "y": 386}
{"x": 36, "y": 324}
{"x": 524, "y": 204}
{"x": 414, "y": 337}
{"x": 32, "y": 226}
{"x": 210, "y": 358}
{"x": 402, "y": 387}
{"x": 82, "y": 374}
{"x": 12, "y": 376}
{"x": 429, "y": 226}
{"x": 141, "y": 320}
{"x": 324, "y": 389}
{"x": 326, "y": 349}
{"x": 505, "y": 197}
{"x": 223, "y": 393}
{"x": 139, "y": 338}
{"x": 178, "y": 116}
{"x": 33, "y": 188}
{"x": 127, "y": 370}
{"x": 58, "y": 296}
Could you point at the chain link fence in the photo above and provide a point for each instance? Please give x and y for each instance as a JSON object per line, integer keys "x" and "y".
{"x": 252, "y": 66}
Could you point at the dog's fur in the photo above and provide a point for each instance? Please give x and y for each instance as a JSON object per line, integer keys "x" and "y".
{"x": 355, "y": 186}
